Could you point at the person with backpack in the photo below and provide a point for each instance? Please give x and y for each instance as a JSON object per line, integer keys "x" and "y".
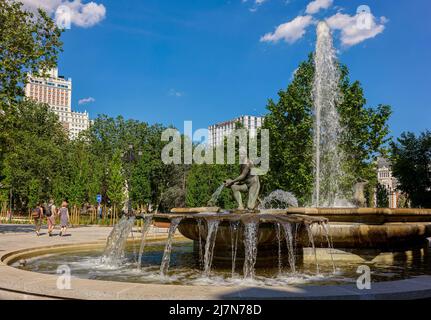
{"x": 50, "y": 213}
{"x": 37, "y": 215}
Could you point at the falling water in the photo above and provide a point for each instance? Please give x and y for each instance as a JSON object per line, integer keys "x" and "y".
{"x": 234, "y": 234}
{"x": 212, "y": 226}
{"x": 168, "y": 248}
{"x": 287, "y": 226}
{"x": 311, "y": 239}
{"x": 132, "y": 236}
{"x": 116, "y": 242}
{"x": 280, "y": 264}
{"x": 326, "y": 229}
{"x": 327, "y": 130}
{"x": 148, "y": 220}
{"x": 201, "y": 256}
{"x": 250, "y": 246}
{"x": 215, "y": 195}
{"x": 279, "y": 199}
{"x": 297, "y": 226}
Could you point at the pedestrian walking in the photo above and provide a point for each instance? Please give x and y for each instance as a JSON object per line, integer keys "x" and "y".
{"x": 37, "y": 214}
{"x": 64, "y": 217}
{"x": 51, "y": 213}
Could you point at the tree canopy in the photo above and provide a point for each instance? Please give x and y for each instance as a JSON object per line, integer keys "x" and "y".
{"x": 411, "y": 165}
{"x": 290, "y": 123}
{"x": 29, "y": 43}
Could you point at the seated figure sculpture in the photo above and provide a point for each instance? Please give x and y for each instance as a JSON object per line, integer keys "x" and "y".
{"x": 359, "y": 199}
{"x": 246, "y": 181}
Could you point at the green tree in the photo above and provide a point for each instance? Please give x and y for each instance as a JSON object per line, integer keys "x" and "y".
{"x": 411, "y": 165}
{"x": 29, "y": 42}
{"x": 290, "y": 123}
{"x": 95, "y": 180}
{"x": 34, "y": 193}
{"x": 140, "y": 192}
{"x": 365, "y": 134}
{"x": 204, "y": 179}
{"x": 80, "y": 173}
{"x": 116, "y": 179}
{"x": 36, "y": 151}
{"x": 150, "y": 178}
{"x": 382, "y": 195}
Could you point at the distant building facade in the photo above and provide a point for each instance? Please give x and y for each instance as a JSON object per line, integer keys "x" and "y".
{"x": 218, "y": 131}
{"x": 56, "y": 91}
{"x": 387, "y": 180}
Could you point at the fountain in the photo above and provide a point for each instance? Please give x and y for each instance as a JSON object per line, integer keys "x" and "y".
{"x": 114, "y": 250}
{"x": 254, "y": 246}
{"x": 276, "y": 231}
{"x": 328, "y": 156}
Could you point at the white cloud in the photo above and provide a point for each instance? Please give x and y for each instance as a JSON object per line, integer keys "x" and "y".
{"x": 175, "y": 93}
{"x": 315, "y": 6}
{"x": 353, "y": 30}
{"x": 86, "y": 100}
{"x": 383, "y": 19}
{"x": 81, "y": 14}
{"x": 290, "y": 31}
{"x": 256, "y": 4}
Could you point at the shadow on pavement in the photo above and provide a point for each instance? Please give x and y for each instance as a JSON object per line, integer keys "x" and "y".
{"x": 264, "y": 293}
{"x": 16, "y": 228}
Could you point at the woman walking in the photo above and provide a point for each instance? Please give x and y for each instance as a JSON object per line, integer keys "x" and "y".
{"x": 37, "y": 215}
{"x": 51, "y": 213}
{"x": 64, "y": 218}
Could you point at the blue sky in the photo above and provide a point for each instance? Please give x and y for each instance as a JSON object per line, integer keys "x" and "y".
{"x": 206, "y": 61}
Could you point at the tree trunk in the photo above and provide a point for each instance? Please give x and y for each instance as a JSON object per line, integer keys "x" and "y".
{"x": 73, "y": 216}
{"x": 115, "y": 214}
{"x": 110, "y": 216}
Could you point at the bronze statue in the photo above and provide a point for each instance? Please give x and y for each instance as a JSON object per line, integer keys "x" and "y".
{"x": 359, "y": 199}
{"x": 246, "y": 181}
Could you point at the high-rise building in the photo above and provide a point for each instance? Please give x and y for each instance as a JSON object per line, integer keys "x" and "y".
{"x": 218, "y": 131}
{"x": 56, "y": 91}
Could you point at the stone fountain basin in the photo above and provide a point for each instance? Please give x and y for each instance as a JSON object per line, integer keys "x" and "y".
{"x": 349, "y": 227}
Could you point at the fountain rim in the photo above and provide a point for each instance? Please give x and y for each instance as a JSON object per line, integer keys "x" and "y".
{"x": 314, "y": 210}
{"x": 348, "y": 214}
{"x": 35, "y": 284}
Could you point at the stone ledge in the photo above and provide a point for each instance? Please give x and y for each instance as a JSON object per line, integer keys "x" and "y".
{"x": 43, "y": 285}
{"x": 23, "y": 284}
